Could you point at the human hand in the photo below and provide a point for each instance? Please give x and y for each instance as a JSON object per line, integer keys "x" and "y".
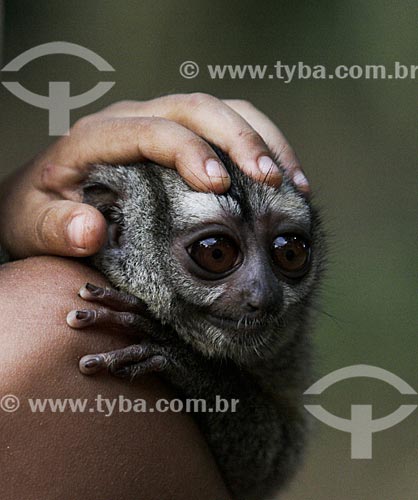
{"x": 40, "y": 206}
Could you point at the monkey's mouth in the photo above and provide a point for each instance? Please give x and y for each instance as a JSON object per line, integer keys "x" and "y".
{"x": 242, "y": 323}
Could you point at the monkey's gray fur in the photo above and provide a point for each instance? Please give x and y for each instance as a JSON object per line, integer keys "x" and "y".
{"x": 267, "y": 366}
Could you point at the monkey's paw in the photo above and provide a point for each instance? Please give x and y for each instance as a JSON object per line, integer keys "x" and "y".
{"x": 117, "y": 309}
{"x": 129, "y": 362}
{"x": 124, "y": 312}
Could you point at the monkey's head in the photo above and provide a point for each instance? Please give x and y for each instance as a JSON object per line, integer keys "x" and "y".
{"x": 234, "y": 274}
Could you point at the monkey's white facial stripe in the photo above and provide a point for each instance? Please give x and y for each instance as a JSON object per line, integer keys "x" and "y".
{"x": 196, "y": 208}
{"x": 201, "y": 208}
{"x": 289, "y": 206}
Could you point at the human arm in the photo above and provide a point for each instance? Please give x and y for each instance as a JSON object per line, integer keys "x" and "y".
{"x": 83, "y": 455}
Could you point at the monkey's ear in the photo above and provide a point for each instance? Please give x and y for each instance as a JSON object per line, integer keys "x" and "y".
{"x": 101, "y": 197}
{"x": 105, "y": 199}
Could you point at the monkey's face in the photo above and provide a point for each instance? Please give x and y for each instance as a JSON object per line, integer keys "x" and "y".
{"x": 244, "y": 268}
{"x": 234, "y": 274}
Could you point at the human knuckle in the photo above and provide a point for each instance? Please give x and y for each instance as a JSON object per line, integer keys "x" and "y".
{"x": 146, "y": 129}
{"x": 173, "y": 98}
{"x": 149, "y": 123}
{"x": 82, "y": 124}
{"x": 41, "y": 226}
{"x": 197, "y": 99}
{"x": 241, "y": 104}
{"x": 122, "y": 104}
{"x": 250, "y": 136}
{"x": 189, "y": 147}
{"x": 192, "y": 142}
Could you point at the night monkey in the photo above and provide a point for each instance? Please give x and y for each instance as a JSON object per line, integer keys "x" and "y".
{"x": 220, "y": 289}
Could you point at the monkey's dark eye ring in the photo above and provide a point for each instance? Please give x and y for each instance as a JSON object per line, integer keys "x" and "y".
{"x": 216, "y": 254}
{"x": 292, "y": 253}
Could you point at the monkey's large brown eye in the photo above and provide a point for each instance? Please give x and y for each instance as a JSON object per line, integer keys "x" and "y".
{"x": 217, "y": 254}
{"x": 292, "y": 254}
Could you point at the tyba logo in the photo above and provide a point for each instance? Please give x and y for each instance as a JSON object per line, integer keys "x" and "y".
{"x": 361, "y": 426}
{"x": 59, "y": 102}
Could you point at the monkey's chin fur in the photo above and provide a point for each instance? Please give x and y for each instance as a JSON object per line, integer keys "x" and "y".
{"x": 245, "y": 343}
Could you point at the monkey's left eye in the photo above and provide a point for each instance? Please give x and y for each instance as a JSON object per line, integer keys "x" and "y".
{"x": 217, "y": 254}
{"x": 292, "y": 254}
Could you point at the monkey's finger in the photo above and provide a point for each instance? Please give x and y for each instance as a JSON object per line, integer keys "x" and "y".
{"x": 126, "y": 322}
{"x": 214, "y": 120}
{"x": 274, "y": 138}
{"x": 92, "y": 363}
{"x": 152, "y": 364}
{"x": 113, "y": 299}
{"x": 123, "y": 140}
{"x": 130, "y": 361}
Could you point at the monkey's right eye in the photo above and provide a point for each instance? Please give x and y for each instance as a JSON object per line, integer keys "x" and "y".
{"x": 217, "y": 254}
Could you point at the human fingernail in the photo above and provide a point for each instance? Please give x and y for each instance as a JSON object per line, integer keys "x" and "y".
{"x": 215, "y": 169}
{"x": 267, "y": 166}
{"x": 300, "y": 180}
{"x": 76, "y": 231}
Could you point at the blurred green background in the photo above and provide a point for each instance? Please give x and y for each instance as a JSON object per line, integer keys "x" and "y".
{"x": 357, "y": 142}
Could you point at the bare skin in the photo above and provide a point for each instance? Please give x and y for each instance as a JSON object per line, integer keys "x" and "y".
{"x": 83, "y": 455}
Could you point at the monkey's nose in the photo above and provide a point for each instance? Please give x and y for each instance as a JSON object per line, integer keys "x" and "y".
{"x": 257, "y": 299}
{"x": 254, "y": 302}
{"x": 252, "y": 305}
